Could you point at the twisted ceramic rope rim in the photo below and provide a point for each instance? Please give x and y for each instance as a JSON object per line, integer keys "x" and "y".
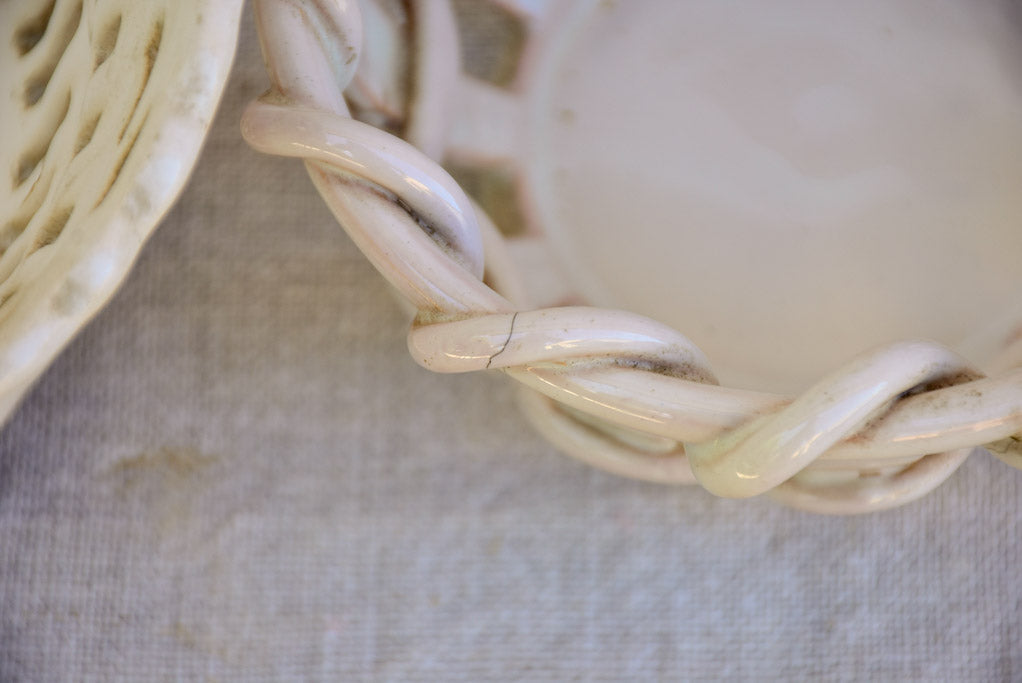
{"x": 616, "y": 389}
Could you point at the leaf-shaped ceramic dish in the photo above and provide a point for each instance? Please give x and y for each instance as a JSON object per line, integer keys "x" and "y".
{"x": 105, "y": 106}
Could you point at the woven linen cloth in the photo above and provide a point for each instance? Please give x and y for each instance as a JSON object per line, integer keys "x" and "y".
{"x": 236, "y": 473}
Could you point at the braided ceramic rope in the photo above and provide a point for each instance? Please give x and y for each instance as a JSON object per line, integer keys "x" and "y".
{"x": 618, "y": 390}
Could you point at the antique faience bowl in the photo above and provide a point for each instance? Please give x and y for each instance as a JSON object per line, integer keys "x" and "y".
{"x": 808, "y": 192}
{"x": 106, "y": 104}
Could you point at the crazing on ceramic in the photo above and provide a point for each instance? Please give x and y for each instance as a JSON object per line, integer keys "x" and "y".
{"x": 616, "y": 389}
{"x": 107, "y": 103}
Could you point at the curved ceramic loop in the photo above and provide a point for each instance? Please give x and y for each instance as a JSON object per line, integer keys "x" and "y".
{"x": 871, "y": 493}
{"x": 377, "y": 157}
{"x": 595, "y": 448}
{"x": 766, "y": 452}
{"x": 412, "y": 261}
{"x": 311, "y": 49}
{"x": 558, "y": 336}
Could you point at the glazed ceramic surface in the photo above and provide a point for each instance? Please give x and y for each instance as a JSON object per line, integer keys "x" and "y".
{"x": 799, "y": 191}
{"x": 788, "y": 183}
{"x": 105, "y": 106}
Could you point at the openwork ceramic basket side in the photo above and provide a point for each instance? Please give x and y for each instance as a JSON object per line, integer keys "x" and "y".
{"x": 615, "y": 389}
{"x": 107, "y": 103}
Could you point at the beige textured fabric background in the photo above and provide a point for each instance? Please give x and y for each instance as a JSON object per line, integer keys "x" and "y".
{"x": 237, "y": 473}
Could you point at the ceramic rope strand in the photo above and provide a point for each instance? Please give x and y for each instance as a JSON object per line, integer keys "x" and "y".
{"x": 887, "y": 428}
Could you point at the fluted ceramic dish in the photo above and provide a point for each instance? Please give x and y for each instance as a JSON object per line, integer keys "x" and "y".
{"x": 104, "y": 106}
{"x": 822, "y": 195}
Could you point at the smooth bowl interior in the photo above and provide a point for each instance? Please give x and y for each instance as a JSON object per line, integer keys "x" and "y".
{"x": 787, "y": 183}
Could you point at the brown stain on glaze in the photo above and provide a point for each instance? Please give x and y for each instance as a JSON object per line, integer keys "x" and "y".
{"x": 51, "y": 230}
{"x": 35, "y": 154}
{"x": 112, "y": 180}
{"x": 86, "y": 132}
{"x": 107, "y": 41}
{"x": 28, "y": 209}
{"x": 11, "y": 231}
{"x": 149, "y": 56}
{"x": 152, "y": 48}
{"x": 4, "y": 298}
{"x": 36, "y": 86}
{"x": 32, "y": 31}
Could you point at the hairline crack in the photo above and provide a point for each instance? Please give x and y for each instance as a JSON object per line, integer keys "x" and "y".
{"x": 507, "y": 341}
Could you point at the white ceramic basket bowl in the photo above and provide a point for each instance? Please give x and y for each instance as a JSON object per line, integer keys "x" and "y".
{"x": 105, "y": 106}
{"x": 598, "y": 141}
{"x": 596, "y": 84}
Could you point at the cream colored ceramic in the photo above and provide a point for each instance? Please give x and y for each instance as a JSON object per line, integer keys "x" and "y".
{"x": 105, "y": 104}
{"x": 798, "y": 187}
